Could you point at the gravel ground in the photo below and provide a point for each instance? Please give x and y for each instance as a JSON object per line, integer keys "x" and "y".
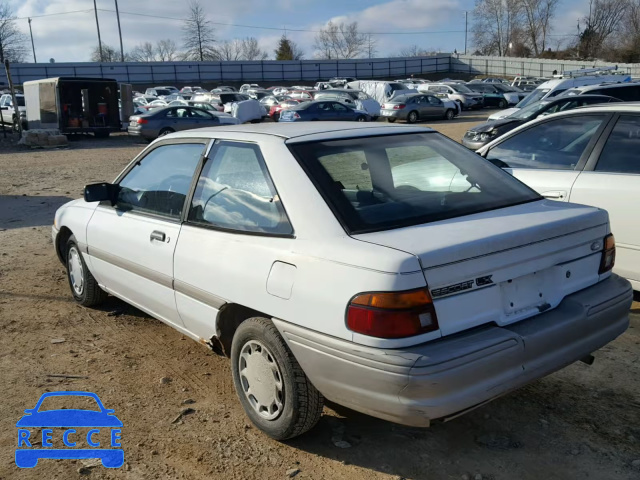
{"x": 580, "y": 423}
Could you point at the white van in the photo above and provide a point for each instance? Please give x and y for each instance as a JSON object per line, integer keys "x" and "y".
{"x": 555, "y": 87}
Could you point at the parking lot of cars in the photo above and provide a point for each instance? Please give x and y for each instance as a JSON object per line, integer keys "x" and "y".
{"x": 581, "y": 422}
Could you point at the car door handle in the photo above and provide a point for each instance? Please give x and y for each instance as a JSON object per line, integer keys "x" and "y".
{"x": 554, "y": 195}
{"x": 156, "y": 235}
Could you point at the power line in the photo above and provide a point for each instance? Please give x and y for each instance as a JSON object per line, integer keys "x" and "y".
{"x": 54, "y": 14}
{"x": 261, "y": 27}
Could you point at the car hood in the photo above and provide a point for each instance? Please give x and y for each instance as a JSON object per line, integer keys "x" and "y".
{"x": 488, "y": 126}
{"x": 69, "y": 418}
{"x": 503, "y": 113}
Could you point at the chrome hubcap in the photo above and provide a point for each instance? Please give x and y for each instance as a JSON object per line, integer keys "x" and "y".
{"x": 261, "y": 380}
{"x": 76, "y": 272}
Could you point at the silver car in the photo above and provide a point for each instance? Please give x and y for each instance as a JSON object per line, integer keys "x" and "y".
{"x": 467, "y": 98}
{"x": 162, "y": 121}
{"x": 416, "y": 106}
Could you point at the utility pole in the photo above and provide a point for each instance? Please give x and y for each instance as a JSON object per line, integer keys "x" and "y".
{"x": 32, "y": 44}
{"x": 120, "y": 33}
{"x": 466, "y": 23}
{"x": 95, "y": 7}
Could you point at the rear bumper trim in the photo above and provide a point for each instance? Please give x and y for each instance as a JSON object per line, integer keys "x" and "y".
{"x": 456, "y": 373}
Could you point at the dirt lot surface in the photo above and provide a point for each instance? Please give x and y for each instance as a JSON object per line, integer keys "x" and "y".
{"x": 580, "y": 423}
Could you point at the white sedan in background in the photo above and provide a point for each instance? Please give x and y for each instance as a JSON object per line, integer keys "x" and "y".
{"x": 384, "y": 268}
{"x": 588, "y": 155}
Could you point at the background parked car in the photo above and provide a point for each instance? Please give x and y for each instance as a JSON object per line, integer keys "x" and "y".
{"x": 331, "y": 111}
{"x": 486, "y": 132}
{"x": 416, "y": 106}
{"x": 627, "y": 92}
{"x": 9, "y": 115}
{"x": 163, "y": 121}
{"x": 286, "y": 104}
{"x": 158, "y": 92}
{"x": 457, "y": 92}
{"x": 589, "y": 156}
{"x": 355, "y": 98}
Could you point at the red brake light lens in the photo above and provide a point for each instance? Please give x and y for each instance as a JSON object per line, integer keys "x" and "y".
{"x": 392, "y": 314}
{"x": 399, "y": 107}
{"x": 608, "y": 254}
{"x": 142, "y": 121}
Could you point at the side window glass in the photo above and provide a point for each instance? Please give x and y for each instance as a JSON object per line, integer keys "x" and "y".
{"x": 434, "y": 101}
{"x": 556, "y": 145}
{"x": 200, "y": 114}
{"x": 159, "y": 183}
{"x": 620, "y": 153}
{"x": 235, "y": 192}
{"x": 339, "y": 108}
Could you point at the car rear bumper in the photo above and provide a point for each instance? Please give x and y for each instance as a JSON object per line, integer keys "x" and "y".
{"x": 144, "y": 133}
{"x": 445, "y": 377}
{"x": 397, "y": 114}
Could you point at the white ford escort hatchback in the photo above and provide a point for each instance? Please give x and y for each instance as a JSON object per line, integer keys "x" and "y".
{"x": 385, "y": 268}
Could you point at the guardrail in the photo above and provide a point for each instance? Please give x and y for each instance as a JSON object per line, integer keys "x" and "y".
{"x": 242, "y": 71}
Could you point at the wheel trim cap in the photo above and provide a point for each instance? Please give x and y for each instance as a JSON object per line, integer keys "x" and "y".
{"x": 76, "y": 271}
{"x": 261, "y": 380}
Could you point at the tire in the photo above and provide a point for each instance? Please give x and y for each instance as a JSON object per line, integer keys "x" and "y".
{"x": 449, "y": 115}
{"x": 165, "y": 131}
{"x": 83, "y": 285}
{"x": 412, "y": 117}
{"x": 294, "y": 406}
{"x": 16, "y": 125}
{"x": 502, "y": 104}
{"x": 391, "y": 119}
{"x": 361, "y": 118}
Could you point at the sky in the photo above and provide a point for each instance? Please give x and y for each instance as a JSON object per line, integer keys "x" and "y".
{"x": 431, "y": 24}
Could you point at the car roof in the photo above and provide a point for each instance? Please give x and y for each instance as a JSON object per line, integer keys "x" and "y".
{"x": 305, "y": 130}
{"x": 605, "y": 85}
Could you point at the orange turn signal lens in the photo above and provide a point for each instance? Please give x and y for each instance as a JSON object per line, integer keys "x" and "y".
{"x": 608, "y": 254}
{"x": 394, "y": 300}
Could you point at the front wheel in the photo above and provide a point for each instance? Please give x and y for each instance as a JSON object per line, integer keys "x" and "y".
{"x": 361, "y": 118}
{"x": 273, "y": 389}
{"x": 84, "y": 287}
{"x": 449, "y": 115}
{"x": 502, "y": 104}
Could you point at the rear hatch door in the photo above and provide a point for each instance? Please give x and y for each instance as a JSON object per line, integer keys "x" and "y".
{"x": 504, "y": 265}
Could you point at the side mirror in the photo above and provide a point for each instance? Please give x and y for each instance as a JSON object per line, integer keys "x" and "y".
{"x": 4, "y": 108}
{"x": 100, "y": 192}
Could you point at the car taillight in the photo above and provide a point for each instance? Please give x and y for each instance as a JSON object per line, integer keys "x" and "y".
{"x": 608, "y": 254}
{"x": 399, "y": 107}
{"x": 392, "y": 314}
{"x": 142, "y": 121}
{"x": 295, "y": 115}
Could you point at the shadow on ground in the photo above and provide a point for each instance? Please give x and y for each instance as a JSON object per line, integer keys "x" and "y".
{"x": 28, "y": 211}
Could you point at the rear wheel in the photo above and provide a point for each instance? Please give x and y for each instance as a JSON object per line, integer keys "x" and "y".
{"x": 361, "y": 118}
{"x": 449, "y": 115}
{"x": 391, "y": 119}
{"x": 502, "y": 104}
{"x": 166, "y": 131}
{"x": 274, "y": 391}
{"x": 412, "y": 117}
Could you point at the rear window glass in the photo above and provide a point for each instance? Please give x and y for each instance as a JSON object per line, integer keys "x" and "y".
{"x": 384, "y": 182}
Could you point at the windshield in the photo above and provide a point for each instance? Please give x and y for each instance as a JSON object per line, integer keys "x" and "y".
{"x": 529, "y": 111}
{"x": 461, "y": 88}
{"x": 393, "y": 181}
{"x": 534, "y": 96}
{"x": 507, "y": 88}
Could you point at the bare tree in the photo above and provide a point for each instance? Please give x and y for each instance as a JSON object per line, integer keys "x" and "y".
{"x": 13, "y": 43}
{"x": 251, "y": 50}
{"x": 109, "y": 54}
{"x": 166, "y": 50}
{"x": 414, "y": 51}
{"x": 605, "y": 16}
{"x": 497, "y": 24}
{"x": 371, "y": 48}
{"x": 198, "y": 34}
{"x": 340, "y": 41}
{"x": 229, "y": 50}
{"x": 288, "y": 50}
{"x": 537, "y": 16}
{"x": 145, "y": 52}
